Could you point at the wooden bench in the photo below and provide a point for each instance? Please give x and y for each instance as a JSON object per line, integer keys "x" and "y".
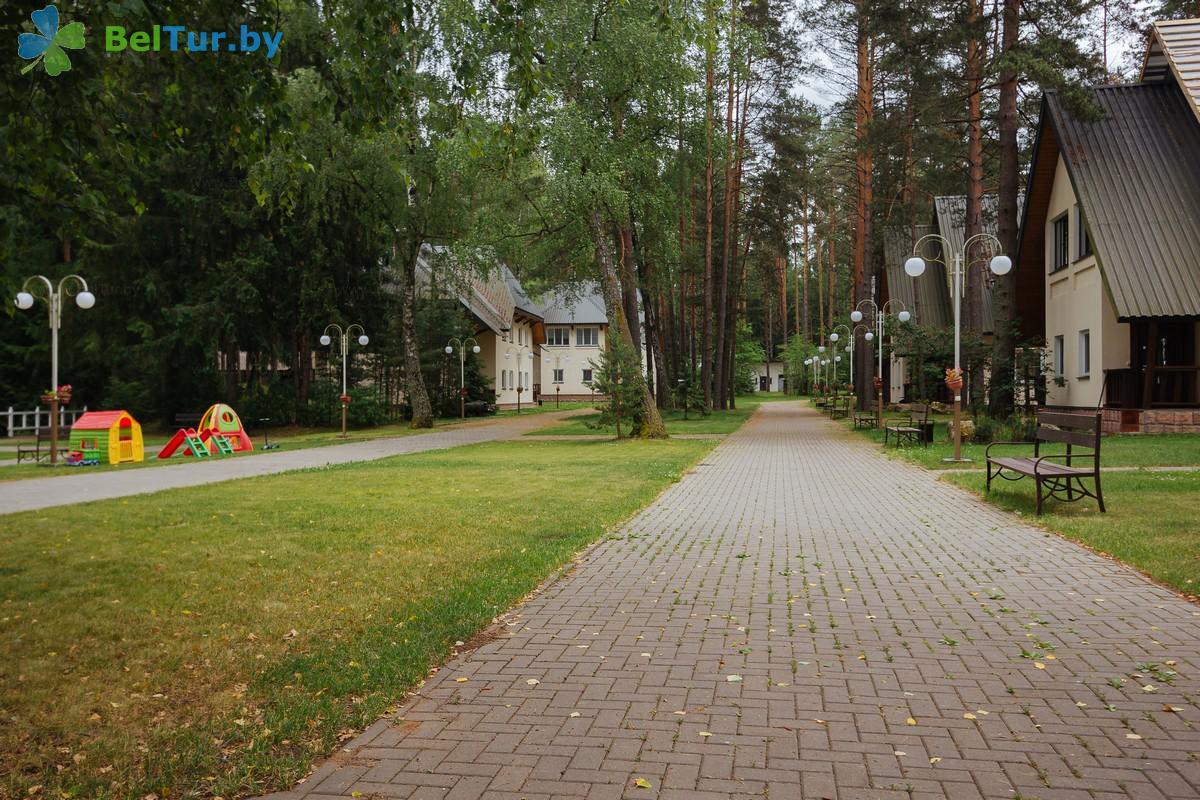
{"x": 1062, "y": 481}
{"x": 40, "y": 449}
{"x": 908, "y": 429}
{"x": 864, "y": 418}
{"x": 839, "y": 407}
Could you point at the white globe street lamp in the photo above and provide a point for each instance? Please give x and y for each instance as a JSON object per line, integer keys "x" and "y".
{"x": 999, "y": 265}
{"x": 344, "y": 335}
{"x": 54, "y": 300}
{"x": 462, "y": 369}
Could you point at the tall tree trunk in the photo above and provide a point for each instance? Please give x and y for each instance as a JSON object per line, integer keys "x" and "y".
{"x": 726, "y": 223}
{"x": 864, "y": 163}
{"x": 805, "y": 321}
{"x": 706, "y": 344}
{"x": 974, "y": 218}
{"x": 414, "y": 381}
{"x": 1003, "y": 336}
{"x": 610, "y": 284}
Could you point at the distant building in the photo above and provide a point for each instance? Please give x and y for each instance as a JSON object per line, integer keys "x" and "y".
{"x": 535, "y": 349}
{"x": 1108, "y": 268}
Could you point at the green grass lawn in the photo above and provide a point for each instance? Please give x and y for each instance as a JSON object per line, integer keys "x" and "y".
{"x": 726, "y": 421}
{"x": 293, "y": 438}
{"x": 1150, "y": 523}
{"x": 216, "y": 640}
{"x": 1120, "y": 450}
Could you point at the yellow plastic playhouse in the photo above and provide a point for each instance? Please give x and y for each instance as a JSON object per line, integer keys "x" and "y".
{"x": 112, "y": 436}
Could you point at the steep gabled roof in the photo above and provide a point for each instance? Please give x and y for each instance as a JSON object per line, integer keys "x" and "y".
{"x": 1174, "y": 49}
{"x": 950, "y": 216}
{"x": 1136, "y": 174}
{"x": 927, "y": 297}
{"x": 581, "y": 305}
{"x": 487, "y": 297}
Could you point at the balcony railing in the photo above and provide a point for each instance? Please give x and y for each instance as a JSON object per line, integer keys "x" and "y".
{"x": 1156, "y": 387}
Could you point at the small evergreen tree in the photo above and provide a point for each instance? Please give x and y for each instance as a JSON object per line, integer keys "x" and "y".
{"x": 618, "y": 376}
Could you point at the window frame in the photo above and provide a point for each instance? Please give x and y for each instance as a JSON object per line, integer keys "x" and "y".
{"x": 588, "y": 376}
{"x": 1083, "y": 239}
{"x": 557, "y": 375}
{"x": 1059, "y": 357}
{"x": 594, "y": 336}
{"x": 1063, "y": 250}
{"x": 1083, "y": 358}
{"x": 553, "y": 333}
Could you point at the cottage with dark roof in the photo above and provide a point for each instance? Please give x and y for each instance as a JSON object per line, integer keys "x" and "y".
{"x": 1108, "y": 267}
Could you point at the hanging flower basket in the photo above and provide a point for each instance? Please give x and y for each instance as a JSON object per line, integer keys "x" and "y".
{"x": 954, "y": 379}
{"x": 49, "y": 397}
{"x": 878, "y": 383}
{"x": 345, "y": 399}
{"x": 64, "y": 394}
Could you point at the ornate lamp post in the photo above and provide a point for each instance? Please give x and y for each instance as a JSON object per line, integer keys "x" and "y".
{"x": 835, "y": 336}
{"x": 999, "y": 264}
{"x": 879, "y": 317}
{"x": 559, "y": 360}
{"x": 54, "y": 294}
{"x": 344, "y": 335}
{"x": 462, "y": 369}
{"x": 519, "y": 349}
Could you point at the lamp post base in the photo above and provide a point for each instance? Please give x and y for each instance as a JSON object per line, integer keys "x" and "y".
{"x": 958, "y": 460}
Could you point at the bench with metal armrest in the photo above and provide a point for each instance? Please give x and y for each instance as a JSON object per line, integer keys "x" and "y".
{"x": 908, "y": 429}
{"x": 1056, "y": 475}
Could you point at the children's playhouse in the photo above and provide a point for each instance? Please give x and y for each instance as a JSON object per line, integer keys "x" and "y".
{"x": 112, "y": 436}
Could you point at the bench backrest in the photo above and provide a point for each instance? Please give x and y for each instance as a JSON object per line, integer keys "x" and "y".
{"x": 1080, "y": 430}
{"x": 918, "y": 413}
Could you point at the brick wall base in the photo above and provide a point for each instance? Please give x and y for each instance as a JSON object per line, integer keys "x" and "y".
{"x": 1137, "y": 420}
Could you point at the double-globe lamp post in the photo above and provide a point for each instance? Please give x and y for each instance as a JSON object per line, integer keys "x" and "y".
{"x": 54, "y": 300}
{"x": 879, "y": 315}
{"x": 462, "y": 368}
{"x": 519, "y": 349}
{"x": 559, "y": 360}
{"x": 344, "y": 335}
{"x": 999, "y": 264}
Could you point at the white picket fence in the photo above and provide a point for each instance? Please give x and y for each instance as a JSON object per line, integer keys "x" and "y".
{"x": 19, "y": 422}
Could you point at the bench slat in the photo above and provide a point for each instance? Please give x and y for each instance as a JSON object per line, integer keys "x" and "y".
{"x": 1047, "y": 468}
{"x": 1066, "y": 437}
{"x": 1086, "y": 422}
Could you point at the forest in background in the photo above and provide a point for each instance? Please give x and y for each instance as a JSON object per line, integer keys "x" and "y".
{"x": 222, "y": 204}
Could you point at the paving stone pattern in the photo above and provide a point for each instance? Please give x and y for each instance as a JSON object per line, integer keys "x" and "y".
{"x": 803, "y": 618}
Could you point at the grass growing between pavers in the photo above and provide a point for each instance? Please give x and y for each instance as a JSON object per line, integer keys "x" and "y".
{"x": 722, "y": 421}
{"x": 1150, "y": 523}
{"x": 215, "y": 641}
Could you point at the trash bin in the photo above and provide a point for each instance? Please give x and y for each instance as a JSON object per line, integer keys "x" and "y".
{"x": 926, "y": 434}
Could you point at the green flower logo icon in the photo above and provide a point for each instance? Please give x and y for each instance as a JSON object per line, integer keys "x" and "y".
{"x": 46, "y": 47}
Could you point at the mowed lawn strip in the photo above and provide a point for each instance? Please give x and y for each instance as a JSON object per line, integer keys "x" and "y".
{"x": 719, "y": 421}
{"x": 217, "y": 640}
{"x": 1150, "y": 523}
{"x": 1119, "y": 450}
{"x": 293, "y": 438}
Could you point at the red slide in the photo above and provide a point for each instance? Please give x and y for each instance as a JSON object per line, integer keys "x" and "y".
{"x": 171, "y": 446}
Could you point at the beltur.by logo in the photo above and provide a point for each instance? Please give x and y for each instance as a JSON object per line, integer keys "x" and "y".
{"x": 46, "y": 46}
{"x": 177, "y": 37}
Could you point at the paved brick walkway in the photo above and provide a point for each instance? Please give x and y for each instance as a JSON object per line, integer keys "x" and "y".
{"x": 802, "y": 618}
{"x": 66, "y": 489}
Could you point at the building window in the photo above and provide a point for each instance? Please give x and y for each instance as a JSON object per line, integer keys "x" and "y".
{"x": 587, "y": 376}
{"x": 558, "y": 376}
{"x": 587, "y": 337}
{"x": 503, "y": 380}
{"x": 1061, "y": 243}
{"x": 1060, "y": 356}
{"x": 1085, "y": 353}
{"x": 1083, "y": 240}
{"x": 558, "y": 337}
